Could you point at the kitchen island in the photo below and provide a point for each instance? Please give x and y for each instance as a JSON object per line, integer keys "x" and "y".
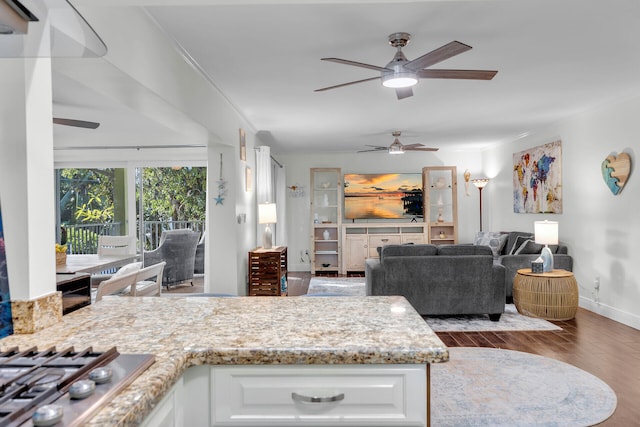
{"x": 182, "y": 332}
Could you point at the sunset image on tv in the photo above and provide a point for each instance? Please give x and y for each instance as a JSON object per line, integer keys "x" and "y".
{"x": 383, "y": 196}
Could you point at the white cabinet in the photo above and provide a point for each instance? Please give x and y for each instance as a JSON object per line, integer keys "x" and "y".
{"x": 187, "y": 404}
{"x": 326, "y": 217}
{"x": 362, "y": 240}
{"x": 356, "y": 250}
{"x": 295, "y": 395}
{"x": 319, "y": 395}
{"x": 169, "y": 412}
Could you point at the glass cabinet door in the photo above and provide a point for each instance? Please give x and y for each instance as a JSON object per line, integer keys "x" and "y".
{"x": 441, "y": 207}
{"x": 326, "y": 217}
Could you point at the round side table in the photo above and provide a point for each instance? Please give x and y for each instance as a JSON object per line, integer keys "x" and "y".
{"x": 550, "y": 296}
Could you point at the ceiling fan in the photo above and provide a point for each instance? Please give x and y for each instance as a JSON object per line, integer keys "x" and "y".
{"x": 397, "y": 147}
{"x": 76, "y": 123}
{"x": 401, "y": 73}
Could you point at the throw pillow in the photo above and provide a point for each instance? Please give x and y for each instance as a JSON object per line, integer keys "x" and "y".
{"x": 129, "y": 268}
{"x": 529, "y": 247}
{"x": 519, "y": 241}
{"x": 494, "y": 239}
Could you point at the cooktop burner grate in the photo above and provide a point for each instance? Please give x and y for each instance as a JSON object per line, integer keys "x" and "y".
{"x": 70, "y": 385}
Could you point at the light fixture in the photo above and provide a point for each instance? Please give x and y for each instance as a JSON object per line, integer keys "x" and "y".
{"x": 267, "y": 215}
{"x": 14, "y": 18}
{"x": 396, "y": 147}
{"x": 546, "y": 233}
{"x": 399, "y": 79}
{"x": 480, "y": 183}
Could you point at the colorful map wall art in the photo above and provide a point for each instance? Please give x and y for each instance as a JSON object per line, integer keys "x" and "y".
{"x": 537, "y": 179}
{"x": 6, "y": 323}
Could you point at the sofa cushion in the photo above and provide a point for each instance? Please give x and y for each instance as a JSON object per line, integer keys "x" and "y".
{"x": 494, "y": 239}
{"x": 129, "y": 268}
{"x": 513, "y": 235}
{"x": 518, "y": 241}
{"x": 464, "y": 250}
{"x": 407, "y": 250}
{"x": 529, "y": 247}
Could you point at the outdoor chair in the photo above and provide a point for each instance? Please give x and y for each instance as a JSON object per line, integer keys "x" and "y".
{"x": 112, "y": 245}
{"x": 199, "y": 262}
{"x": 141, "y": 282}
{"x": 178, "y": 249}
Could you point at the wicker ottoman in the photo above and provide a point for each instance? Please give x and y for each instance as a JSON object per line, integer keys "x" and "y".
{"x": 550, "y": 296}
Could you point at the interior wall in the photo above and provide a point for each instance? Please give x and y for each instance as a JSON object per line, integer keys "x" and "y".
{"x": 298, "y": 174}
{"x": 600, "y": 229}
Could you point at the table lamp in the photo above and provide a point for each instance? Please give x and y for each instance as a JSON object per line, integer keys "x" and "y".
{"x": 546, "y": 233}
{"x": 267, "y": 215}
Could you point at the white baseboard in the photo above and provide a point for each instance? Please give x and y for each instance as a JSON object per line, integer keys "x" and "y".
{"x": 610, "y": 312}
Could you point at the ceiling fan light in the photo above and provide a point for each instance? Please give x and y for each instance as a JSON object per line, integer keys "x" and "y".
{"x": 396, "y": 148}
{"x": 399, "y": 79}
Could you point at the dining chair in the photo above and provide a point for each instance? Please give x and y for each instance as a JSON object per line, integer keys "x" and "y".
{"x": 134, "y": 282}
{"x": 116, "y": 245}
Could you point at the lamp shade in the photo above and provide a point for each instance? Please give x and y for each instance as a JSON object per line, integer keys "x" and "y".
{"x": 480, "y": 182}
{"x": 546, "y": 232}
{"x": 267, "y": 213}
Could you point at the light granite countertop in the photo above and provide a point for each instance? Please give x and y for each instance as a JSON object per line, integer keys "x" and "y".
{"x": 186, "y": 331}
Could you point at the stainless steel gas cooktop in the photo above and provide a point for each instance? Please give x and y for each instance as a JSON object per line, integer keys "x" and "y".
{"x": 62, "y": 388}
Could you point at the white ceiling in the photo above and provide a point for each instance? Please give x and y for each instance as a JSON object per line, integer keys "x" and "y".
{"x": 554, "y": 59}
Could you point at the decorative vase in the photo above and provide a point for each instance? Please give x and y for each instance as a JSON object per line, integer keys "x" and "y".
{"x": 325, "y": 235}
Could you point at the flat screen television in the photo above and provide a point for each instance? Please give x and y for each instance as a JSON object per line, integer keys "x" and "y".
{"x": 383, "y": 196}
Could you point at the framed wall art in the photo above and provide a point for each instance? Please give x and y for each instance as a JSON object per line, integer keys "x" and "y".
{"x": 243, "y": 145}
{"x": 537, "y": 179}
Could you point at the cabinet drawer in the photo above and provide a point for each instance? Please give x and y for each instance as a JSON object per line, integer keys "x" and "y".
{"x": 380, "y": 240}
{"x": 356, "y": 395}
{"x": 415, "y": 238}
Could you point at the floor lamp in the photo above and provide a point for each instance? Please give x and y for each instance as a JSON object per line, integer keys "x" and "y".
{"x": 480, "y": 183}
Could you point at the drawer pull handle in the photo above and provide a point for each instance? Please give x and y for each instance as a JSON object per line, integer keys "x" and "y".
{"x": 317, "y": 399}
{"x": 385, "y": 240}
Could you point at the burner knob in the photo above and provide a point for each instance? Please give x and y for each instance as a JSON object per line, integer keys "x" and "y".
{"x": 47, "y": 415}
{"x": 101, "y": 375}
{"x": 81, "y": 389}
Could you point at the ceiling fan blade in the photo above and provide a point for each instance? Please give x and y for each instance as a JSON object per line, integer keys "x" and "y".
{"x": 440, "y": 54}
{"x": 404, "y": 92}
{"x": 346, "y": 84}
{"x": 356, "y": 64}
{"x": 76, "y": 123}
{"x": 421, "y": 149}
{"x": 375, "y": 149}
{"x": 412, "y": 146}
{"x": 457, "y": 74}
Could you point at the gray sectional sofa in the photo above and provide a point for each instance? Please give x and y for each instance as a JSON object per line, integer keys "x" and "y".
{"x": 528, "y": 251}
{"x": 440, "y": 280}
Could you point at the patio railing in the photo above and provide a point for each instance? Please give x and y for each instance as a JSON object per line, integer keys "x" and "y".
{"x": 83, "y": 238}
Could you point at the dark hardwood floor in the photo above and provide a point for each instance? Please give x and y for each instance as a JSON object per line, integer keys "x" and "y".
{"x": 603, "y": 347}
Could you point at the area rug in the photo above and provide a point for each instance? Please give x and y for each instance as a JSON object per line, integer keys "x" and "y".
{"x": 510, "y": 320}
{"x": 484, "y": 387}
{"x": 344, "y": 286}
